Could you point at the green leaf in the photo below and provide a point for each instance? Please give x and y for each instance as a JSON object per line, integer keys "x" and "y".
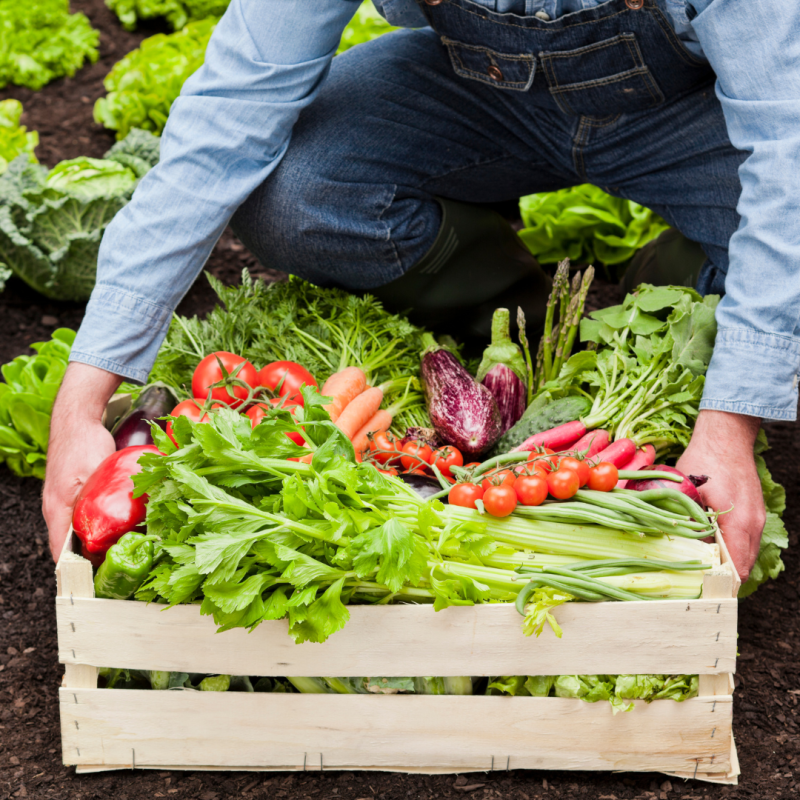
{"x": 325, "y": 616}
{"x": 393, "y": 550}
{"x": 693, "y": 335}
{"x": 769, "y": 564}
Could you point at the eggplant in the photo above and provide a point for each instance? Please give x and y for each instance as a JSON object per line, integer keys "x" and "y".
{"x": 423, "y": 485}
{"x": 503, "y": 372}
{"x": 463, "y": 412}
{"x": 133, "y": 428}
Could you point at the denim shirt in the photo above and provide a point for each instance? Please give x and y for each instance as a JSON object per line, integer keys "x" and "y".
{"x": 266, "y": 61}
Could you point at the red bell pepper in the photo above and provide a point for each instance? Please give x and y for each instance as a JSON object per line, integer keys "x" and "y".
{"x": 106, "y": 508}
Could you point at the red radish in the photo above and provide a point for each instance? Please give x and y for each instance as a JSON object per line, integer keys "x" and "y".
{"x": 562, "y": 437}
{"x": 641, "y": 459}
{"x": 687, "y": 486}
{"x": 618, "y": 453}
{"x": 593, "y": 442}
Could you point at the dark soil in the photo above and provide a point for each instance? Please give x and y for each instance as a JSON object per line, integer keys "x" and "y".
{"x": 768, "y": 686}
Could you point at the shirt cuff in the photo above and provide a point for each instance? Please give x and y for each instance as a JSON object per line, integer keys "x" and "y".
{"x": 121, "y": 333}
{"x": 753, "y": 373}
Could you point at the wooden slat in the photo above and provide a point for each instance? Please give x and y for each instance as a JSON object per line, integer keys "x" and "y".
{"x": 670, "y": 636}
{"x": 386, "y": 732}
{"x": 74, "y": 582}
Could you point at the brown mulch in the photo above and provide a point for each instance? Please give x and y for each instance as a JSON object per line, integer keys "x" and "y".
{"x": 766, "y": 714}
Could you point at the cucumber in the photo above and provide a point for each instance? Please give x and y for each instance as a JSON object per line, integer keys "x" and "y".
{"x": 538, "y": 418}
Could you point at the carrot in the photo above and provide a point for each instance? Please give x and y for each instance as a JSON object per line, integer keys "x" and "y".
{"x": 358, "y": 412}
{"x": 343, "y": 387}
{"x": 380, "y": 421}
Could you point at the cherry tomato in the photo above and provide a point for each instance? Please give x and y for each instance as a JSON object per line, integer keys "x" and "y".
{"x": 505, "y": 477}
{"x": 500, "y": 501}
{"x": 390, "y": 471}
{"x": 383, "y": 441}
{"x": 472, "y": 464}
{"x": 531, "y": 490}
{"x": 576, "y": 465}
{"x": 603, "y": 477}
{"x": 465, "y": 495}
{"x": 563, "y": 483}
{"x": 286, "y": 377}
{"x": 193, "y": 409}
{"x": 236, "y": 374}
{"x": 541, "y": 461}
{"x": 446, "y": 457}
{"x": 418, "y": 449}
{"x": 257, "y": 412}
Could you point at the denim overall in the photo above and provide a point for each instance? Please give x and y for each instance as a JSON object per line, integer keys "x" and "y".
{"x": 485, "y": 107}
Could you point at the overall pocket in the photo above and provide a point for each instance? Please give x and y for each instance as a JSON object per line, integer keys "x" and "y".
{"x": 609, "y": 77}
{"x": 503, "y": 70}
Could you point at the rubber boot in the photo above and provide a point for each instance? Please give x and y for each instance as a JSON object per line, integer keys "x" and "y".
{"x": 669, "y": 260}
{"x": 476, "y": 264}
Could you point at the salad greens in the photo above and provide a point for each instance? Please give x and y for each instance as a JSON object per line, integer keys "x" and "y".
{"x": 26, "y": 403}
{"x": 253, "y": 536}
{"x": 144, "y": 84}
{"x": 177, "y": 13}
{"x": 14, "y": 138}
{"x": 325, "y": 330}
{"x": 42, "y": 41}
{"x": 646, "y": 372}
{"x": 586, "y": 225}
{"x": 51, "y": 223}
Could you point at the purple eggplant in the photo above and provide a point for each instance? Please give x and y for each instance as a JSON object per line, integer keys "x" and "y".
{"x": 463, "y": 412}
{"x": 133, "y": 428}
{"x": 502, "y": 371}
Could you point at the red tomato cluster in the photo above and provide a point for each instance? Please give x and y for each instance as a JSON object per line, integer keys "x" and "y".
{"x": 545, "y": 473}
{"x": 415, "y": 457}
{"x": 225, "y": 380}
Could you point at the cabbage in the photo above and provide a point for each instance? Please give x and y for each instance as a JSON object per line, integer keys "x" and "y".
{"x": 51, "y": 223}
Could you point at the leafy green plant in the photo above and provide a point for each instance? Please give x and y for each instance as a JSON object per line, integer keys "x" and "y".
{"x": 14, "y": 138}
{"x": 41, "y": 41}
{"x": 177, "y": 13}
{"x": 51, "y": 223}
{"x": 26, "y": 403}
{"x": 586, "y": 225}
{"x": 367, "y": 24}
{"x": 143, "y": 86}
{"x": 325, "y": 330}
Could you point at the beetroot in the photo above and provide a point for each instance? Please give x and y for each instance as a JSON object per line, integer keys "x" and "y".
{"x": 686, "y": 486}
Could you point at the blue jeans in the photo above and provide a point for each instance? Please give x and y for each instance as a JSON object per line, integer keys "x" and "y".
{"x": 453, "y": 110}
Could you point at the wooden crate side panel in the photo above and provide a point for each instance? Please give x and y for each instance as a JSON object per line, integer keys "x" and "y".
{"x": 385, "y": 732}
{"x": 671, "y": 636}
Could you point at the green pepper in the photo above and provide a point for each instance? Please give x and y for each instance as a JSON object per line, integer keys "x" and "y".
{"x": 126, "y": 566}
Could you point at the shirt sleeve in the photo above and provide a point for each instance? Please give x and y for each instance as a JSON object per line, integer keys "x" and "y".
{"x": 226, "y": 133}
{"x": 754, "y": 49}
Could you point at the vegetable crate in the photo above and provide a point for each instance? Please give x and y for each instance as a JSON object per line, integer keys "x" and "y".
{"x": 106, "y": 729}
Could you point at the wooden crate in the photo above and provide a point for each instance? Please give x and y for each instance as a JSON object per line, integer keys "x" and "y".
{"x": 124, "y": 729}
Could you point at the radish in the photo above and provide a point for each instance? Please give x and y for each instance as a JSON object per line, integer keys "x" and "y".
{"x": 559, "y": 438}
{"x": 618, "y": 453}
{"x": 687, "y": 486}
{"x": 641, "y": 459}
{"x": 593, "y": 443}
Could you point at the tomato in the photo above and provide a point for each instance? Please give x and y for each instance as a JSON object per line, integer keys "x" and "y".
{"x": 531, "y": 489}
{"x": 418, "y": 449}
{"x": 193, "y": 409}
{"x": 500, "y": 501}
{"x": 383, "y": 441}
{"x": 236, "y": 376}
{"x": 446, "y": 457}
{"x": 465, "y": 495}
{"x": 576, "y": 465}
{"x": 603, "y": 477}
{"x": 472, "y": 465}
{"x": 259, "y": 411}
{"x": 541, "y": 461}
{"x": 390, "y": 471}
{"x": 286, "y": 377}
{"x": 504, "y": 477}
{"x": 563, "y": 483}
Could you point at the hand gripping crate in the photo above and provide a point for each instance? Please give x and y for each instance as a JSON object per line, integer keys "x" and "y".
{"x": 122, "y": 729}
{"x": 105, "y": 729}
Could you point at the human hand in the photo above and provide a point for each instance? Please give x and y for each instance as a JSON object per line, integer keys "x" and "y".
{"x": 78, "y": 443}
{"x": 722, "y": 448}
